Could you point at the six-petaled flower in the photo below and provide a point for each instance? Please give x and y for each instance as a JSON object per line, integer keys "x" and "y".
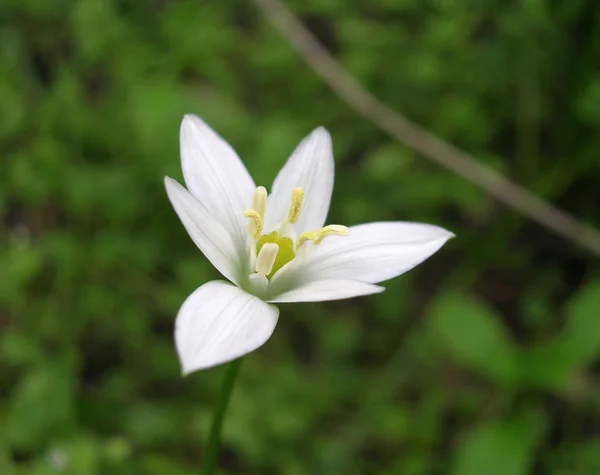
{"x": 274, "y": 248}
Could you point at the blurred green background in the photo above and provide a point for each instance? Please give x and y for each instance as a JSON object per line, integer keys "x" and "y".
{"x": 485, "y": 360}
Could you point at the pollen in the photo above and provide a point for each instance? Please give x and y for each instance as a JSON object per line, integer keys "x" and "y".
{"x": 256, "y": 223}
{"x": 296, "y": 205}
{"x": 317, "y": 236}
{"x": 307, "y": 236}
{"x": 276, "y": 249}
{"x": 331, "y": 230}
{"x": 256, "y": 215}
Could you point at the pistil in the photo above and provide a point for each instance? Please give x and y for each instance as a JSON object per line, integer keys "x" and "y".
{"x": 266, "y": 258}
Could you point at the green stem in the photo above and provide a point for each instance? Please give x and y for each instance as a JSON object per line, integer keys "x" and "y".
{"x": 214, "y": 436}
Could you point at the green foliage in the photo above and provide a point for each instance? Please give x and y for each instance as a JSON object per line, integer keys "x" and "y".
{"x": 482, "y": 360}
{"x": 472, "y": 333}
{"x": 555, "y": 363}
{"x": 500, "y": 447}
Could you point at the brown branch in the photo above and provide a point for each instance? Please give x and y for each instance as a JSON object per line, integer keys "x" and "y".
{"x": 402, "y": 129}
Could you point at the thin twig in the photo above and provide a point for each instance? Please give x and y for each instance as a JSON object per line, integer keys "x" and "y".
{"x": 441, "y": 152}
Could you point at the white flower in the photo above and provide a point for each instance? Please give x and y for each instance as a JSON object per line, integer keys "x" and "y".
{"x": 273, "y": 248}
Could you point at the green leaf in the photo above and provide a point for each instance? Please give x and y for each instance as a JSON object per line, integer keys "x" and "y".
{"x": 7, "y": 466}
{"x": 582, "y": 458}
{"x": 473, "y": 335}
{"x": 545, "y": 367}
{"x": 553, "y": 365}
{"x": 42, "y": 405}
{"x": 580, "y": 341}
{"x": 500, "y": 447}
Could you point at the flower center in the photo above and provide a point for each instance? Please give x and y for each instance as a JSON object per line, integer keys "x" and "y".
{"x": 285, "y": 250}
{"x": 276, "y": 249}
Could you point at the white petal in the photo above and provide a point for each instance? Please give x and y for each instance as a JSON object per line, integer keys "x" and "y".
{"x": 311, "y": 167}
{"x": 373, "y": 252}
{"x": 321, "y": 290}
{"x": 206, "y": 232}
{"x": 216, "y": 176}
{"x": 218, "y": 323}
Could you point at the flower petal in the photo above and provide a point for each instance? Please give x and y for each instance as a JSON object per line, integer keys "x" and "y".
{"x": 311, "y": 167}
{"x": 330, "y": 289}
{"x": 373, "y": 252}
{"x": 216, "y": 176}
{"x": 210, "y": 237}
{"x": 218, "y": 323}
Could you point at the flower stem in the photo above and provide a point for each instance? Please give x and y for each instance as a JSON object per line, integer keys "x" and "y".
{"x": 214, "y": 436}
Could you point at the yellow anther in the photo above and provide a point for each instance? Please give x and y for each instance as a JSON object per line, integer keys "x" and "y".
{"x": 306, "y": 236}
{"x": 317, "y": 236}
{"x": 256, "y": 215}
{"x": 256, "y": 223}
{"x": 296, "y": 205}
{"x": 259, "y": 201}
{"x": 331, "y": 230}
{"x": 266, "y": 258}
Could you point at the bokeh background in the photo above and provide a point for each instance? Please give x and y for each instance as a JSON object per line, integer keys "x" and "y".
{"x": 482, "y": 361}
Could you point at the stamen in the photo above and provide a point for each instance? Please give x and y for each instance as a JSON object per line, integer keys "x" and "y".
{"x": 256, "y": 223}
{"x": 331, "y": 230}
{"x": 259, "y": 201}
{"x": 306, "y": 236}
{"x": 296, "y": 205}
{"x": 266, "y": 258}
{"x": 317, "y": 236}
